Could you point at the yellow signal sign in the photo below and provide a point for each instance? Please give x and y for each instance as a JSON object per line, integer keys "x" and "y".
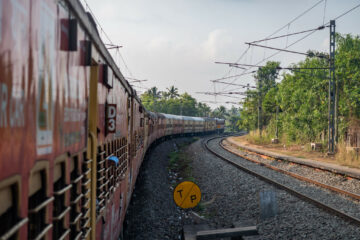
{"x": 187, "y": 194}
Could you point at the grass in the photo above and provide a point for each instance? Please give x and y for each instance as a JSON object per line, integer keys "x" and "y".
{"x": 346, "y": 156}
{"x": 180, "y": 162}
{"x": 254, "y": 137}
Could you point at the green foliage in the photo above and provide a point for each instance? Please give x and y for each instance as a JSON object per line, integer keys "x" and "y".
{"x": 232, "y": 119}
{"x": 220, "y": 112}
{"x": 172, "y": 102}
{"x": 302, "y": 95}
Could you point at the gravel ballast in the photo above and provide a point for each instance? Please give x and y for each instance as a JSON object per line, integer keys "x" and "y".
{"x": 152, "y": 213}
{"x": 238, "y": 200}
{"x": 229, "y": 197}
{"x": 326, "y": 177}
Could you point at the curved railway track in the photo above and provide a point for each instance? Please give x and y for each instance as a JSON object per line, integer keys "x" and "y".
{"x": 276, "y": 183}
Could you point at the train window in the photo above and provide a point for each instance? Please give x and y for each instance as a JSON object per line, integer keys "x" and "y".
{"x": 75, "y": 197}
{"x": 123, "y": 160}
{"x": 141, "y": 122}
{"x": 9, "y": 208}
{"x": 73, "y": 43}
{"x": 140, "y": 109}
{"x": 60, "y": 208}
{"x": 108, "y": 76}
{"x": 38, "y": 201}
{"x": 85, "y": 51}
{"x": 85, "y": 201}
{"x": 101, "y": 177}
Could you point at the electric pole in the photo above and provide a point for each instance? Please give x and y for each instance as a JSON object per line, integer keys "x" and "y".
{"x": 332, "y": 91}
{"x": 277, "y": 123}
{"x": 260, "y": 106}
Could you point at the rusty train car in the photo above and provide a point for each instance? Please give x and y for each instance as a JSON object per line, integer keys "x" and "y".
{"x": 74, "y": 132}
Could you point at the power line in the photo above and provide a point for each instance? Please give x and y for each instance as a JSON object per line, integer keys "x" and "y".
{"x": 278, "y": 30}
{"x": 238, "y": 75}
{"x": 234, "y": 84}
{"x": 287, "y": 35}
{"x": 280, "y": 68}
{"x": 302, "y": 38}
{"x": 324, "y": 11}
{"x": 112, "y": 46}
{"x": 296, "y": 18}
{"x": 274, "y": 54}
{"x": 107, "y": 36}
{"x": 343, "y": 14}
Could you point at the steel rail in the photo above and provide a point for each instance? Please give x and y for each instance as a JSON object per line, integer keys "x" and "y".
{"x": 315, "y": 202}
{"x": 302, "y": 178}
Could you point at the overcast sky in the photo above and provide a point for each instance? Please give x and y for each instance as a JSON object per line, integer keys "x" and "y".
{"x": 176, "y": 42}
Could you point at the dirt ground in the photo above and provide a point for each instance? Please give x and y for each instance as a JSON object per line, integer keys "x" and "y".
{"x": 293, "y": 150}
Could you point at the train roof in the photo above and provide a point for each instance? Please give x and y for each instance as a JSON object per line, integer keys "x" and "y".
{"x": 171, "y": 116}
{"x": 198, "y": 119}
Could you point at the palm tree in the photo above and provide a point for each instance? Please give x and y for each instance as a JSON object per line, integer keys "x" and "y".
{"x": 154, "y": 93}
{"x": 203, "y": 109}
{"x": 173, "y": 92}
{"x": 220, "y": 112}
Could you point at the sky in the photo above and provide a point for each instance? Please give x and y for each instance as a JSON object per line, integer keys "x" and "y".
{"x": 176, "y": 42}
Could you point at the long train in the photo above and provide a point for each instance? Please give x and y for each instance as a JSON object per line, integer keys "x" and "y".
{"x": 74, "y": 132}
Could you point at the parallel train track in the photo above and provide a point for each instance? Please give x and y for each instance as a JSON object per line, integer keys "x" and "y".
{"x": 294, "y": 192}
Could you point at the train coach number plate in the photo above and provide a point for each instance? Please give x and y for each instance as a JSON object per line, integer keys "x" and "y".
{"x": 187, "y": 194}
{"x": 110, "y": 118}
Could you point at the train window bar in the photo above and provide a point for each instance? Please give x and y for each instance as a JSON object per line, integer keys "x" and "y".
{"x": 9, "y": 208}
{"x": 86, "y": 232}
{"x": 60, "y": 209}
{"x": 76, "y": 219}
{"x": 86, "y": 214}
{"x": 38, "y": 201}
{"x": 76, "y": 200}
{"x": 85, "y": 208}
{"x": 76, "y": 195}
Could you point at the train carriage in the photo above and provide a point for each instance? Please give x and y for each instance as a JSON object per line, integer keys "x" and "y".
{"x": 74, "y": 131}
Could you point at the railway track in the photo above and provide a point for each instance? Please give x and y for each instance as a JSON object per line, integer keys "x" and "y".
{"x": 310, "y": 199}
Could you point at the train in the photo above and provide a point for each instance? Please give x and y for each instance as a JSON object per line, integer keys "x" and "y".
{"x": 74, "y": 132}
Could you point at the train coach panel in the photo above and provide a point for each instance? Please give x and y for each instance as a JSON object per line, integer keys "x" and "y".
{"x": 17, "y": 120}
{"x": 17, "y": 91}
{"x": 49, "y": 117}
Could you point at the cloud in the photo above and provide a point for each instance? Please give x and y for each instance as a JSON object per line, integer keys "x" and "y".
{"x": 325, "y": 44}
{"x": 217, "y": 43}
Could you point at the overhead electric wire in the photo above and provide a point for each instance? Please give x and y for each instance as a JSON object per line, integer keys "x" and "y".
{"x": 343, "y": 14}
{"x": 107, "y": 36}
{"x": 324, "y": 11}
{"x": 238, "y": 75}
{"x": 287, "y": 35}
{"x": 302, "y": 38}
{"x": 279, "y": 68}
{"x": 234, "y": 84}
{"x": 286, "y": 25}
{"x": 296, "y": 18}
{"x": 274, "y": 54}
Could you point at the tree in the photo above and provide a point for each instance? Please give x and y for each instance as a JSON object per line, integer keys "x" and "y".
{"x": 154, "y": 93}
{"x": 233, "y": 118}
{"x": 220, "y": 112}
{"x": 267, "y": 75}
{"x": 173, "y": 92}
{"x": 203, "y": 109}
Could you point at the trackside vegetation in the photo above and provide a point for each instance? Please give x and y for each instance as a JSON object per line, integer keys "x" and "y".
{"x": 302, "y": 96}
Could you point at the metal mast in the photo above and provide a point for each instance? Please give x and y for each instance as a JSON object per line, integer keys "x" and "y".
{"x": 260, "y": 106}
{"x": 332, "y": 87}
